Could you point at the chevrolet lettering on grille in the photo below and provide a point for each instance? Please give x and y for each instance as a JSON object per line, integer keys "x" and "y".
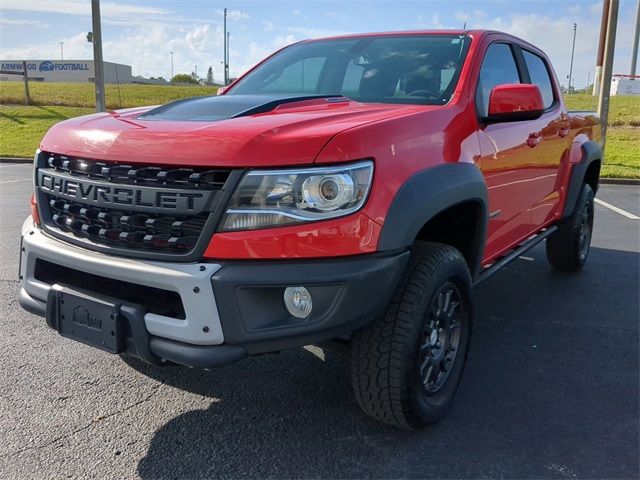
{"x": 127, "y": 197}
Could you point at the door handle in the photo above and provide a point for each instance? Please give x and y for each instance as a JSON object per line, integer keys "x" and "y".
{"x": 563, "y": 132}
{"x": 534, "y": 139}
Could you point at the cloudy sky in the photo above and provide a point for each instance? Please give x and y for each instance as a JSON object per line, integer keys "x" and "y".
{"x": 142, "y": 33}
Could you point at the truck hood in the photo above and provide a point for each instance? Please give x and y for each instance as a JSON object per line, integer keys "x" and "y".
{"x": 229, "y": 130}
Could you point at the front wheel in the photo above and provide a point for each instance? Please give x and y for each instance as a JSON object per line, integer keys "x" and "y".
{"x": 568, "y": 247}
{"x": 406, "y": 365}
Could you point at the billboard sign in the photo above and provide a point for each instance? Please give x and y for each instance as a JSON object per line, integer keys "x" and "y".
{"x": 46, "y": 66}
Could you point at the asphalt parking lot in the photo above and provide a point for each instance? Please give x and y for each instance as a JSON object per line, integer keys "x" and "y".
{"x": 550, "y": 390}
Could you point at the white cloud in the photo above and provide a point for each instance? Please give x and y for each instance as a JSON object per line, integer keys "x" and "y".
{"x": 343, "y": 17}
{"x": 75, "y": 47}
{"x": 283, "y": 40}
{"x": 435, "y": 22}
{"x": 80, "y": 7}
{"x": 150, "y": 33}
{"x": 596, "y": 8}
{"x": 553, "y": 35}
{"x": 16, "y": 21}
{"x": 467, "y": 16}
{"x": 315, "y": 32}
{"x": 146, "y": 49}
{"x": 234, "y": 14}
{"x": 462, "y": 16}
{"x": 256, "y": 52}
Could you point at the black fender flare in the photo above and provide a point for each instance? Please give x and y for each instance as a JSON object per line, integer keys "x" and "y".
{"x": 591, "y": 152}
{"x": 430, "y": 192}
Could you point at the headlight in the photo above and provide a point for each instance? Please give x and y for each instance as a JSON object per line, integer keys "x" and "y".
{"x": 270, "y": 198}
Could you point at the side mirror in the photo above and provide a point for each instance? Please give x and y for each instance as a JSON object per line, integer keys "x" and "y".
{"x": 514, "y": 102}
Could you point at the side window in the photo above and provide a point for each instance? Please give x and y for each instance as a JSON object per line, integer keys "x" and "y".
{"x": 539, "y": 76}
{"x": 299, "y": 77}
{"x": 498, "y": 67}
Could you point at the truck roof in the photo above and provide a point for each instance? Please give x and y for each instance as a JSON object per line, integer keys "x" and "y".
{"x": 406, "y": 32}
{"x": 477, "y": 33}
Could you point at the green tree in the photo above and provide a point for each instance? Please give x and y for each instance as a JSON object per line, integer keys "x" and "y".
{"x": 209, "y": 80}
{"x": 184, "y": 78}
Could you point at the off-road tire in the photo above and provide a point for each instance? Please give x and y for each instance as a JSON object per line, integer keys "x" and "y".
{"x": 568, "y": 247}
{"x": 387, "y": 355}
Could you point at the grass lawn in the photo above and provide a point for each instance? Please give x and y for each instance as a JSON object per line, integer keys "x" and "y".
{"x": 622, "y": 153}
{"x": 21, "y": 128}
{"x": 83, "y": 94}
{"x": 622, "y": 110}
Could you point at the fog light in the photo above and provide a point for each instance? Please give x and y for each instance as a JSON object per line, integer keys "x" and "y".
{"x": 298, "y": 301}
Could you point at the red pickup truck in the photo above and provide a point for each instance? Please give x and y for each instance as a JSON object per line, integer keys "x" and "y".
{"x": 349, "y": 189}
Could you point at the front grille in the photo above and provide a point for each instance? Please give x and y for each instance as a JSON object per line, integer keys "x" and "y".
{"x": 140, "y": 225}
{"x": 126, "y": 229}
{"x": 159, "y": 175}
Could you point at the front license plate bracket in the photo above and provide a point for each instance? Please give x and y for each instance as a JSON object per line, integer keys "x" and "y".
{"x": 85, "y": 317}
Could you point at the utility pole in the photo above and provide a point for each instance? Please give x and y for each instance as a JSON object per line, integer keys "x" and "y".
{"x": 603, "y": 32}
{"x": 25, "y": 77}
{"x": 228, "y": 75}
{"x": 225, "y": 62}
{"x": 634, "y": 48}
{"x": 98, "y": 67}
{"x": 588, "y": 78}
{"x": 171, "y": 66}
{"x": 573, "y": 49}
{"x": 607, "y": 68}
{"x": 61, "y": 51}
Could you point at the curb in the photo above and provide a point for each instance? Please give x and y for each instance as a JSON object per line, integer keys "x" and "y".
{"x": 620, "y": 181}
{"x": 15, "y": 160}
{"x": 603, "y": 181}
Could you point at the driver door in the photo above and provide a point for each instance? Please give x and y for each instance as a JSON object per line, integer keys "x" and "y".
{"x": 504, "y": 157}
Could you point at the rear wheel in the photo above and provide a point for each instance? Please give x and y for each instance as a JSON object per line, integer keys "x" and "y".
{"x": 568, "y": 247}
{"x": 406, "y": 365}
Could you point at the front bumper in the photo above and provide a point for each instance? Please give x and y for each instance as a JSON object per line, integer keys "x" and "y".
{"x": 231, "y": 309}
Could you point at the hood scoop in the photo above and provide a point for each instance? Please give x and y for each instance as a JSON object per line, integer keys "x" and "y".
{"x": 223, "y": 107}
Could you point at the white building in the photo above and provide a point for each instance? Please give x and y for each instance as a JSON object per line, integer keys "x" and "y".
{"x": 79, "y": 71}
{"x": 625, "y": 85}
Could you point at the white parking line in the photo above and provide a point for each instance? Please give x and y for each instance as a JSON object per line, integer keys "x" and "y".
{"x": 14, "y": 181}
{"x": 622, "y": 212}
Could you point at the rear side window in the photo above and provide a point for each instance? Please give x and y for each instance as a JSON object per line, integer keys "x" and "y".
{"x": 539, "y": 76}
{"x": 498, "y": 67}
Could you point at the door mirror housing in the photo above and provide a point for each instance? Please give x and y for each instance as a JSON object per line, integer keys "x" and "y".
{"x": 513, "y": 102}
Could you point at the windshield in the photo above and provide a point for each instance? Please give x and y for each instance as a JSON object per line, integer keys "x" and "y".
{"x": 420, "y": 69}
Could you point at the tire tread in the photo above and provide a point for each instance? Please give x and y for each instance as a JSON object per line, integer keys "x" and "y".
{"x": 379, "y": 357}
{"x": 562, "y": 246}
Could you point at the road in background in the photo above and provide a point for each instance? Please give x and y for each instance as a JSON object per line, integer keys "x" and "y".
{"x": 550, "y": 390}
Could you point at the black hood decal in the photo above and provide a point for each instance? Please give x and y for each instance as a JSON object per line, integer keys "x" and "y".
{"x": 211, "y": 109}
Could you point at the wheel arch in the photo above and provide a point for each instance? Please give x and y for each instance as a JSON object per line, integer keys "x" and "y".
{"x": 587, "y": 170}
{"x": 446, "y": 204}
